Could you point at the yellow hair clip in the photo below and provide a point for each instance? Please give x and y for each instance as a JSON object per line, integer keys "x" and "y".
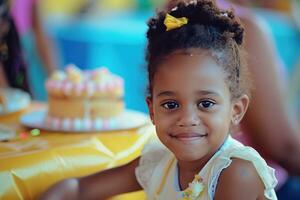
{"x": 173, "y": 22}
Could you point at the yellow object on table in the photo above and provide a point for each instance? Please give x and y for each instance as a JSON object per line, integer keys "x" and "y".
{"x": 28, "y": 166}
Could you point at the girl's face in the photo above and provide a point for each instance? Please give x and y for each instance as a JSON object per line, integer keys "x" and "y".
{"x": 191, "y": 105}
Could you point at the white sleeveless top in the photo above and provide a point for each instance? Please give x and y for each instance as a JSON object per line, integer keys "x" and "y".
{"x": 157, "y": 171}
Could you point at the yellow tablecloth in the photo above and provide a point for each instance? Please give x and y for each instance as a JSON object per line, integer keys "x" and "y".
{"x": 29, "y": 166}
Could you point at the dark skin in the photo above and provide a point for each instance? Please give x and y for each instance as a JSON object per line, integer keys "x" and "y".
{"x": 238, "y": 177}
{"x": 97, "y": 186}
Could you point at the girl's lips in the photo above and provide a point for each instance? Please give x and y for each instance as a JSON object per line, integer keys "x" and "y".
{"x": 188, "y": 136}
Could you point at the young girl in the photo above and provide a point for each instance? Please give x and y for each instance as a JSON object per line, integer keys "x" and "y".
{"x": 198, "y": 91}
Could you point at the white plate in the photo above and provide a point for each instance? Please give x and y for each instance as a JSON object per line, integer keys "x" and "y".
{"x": 129, "y": 119}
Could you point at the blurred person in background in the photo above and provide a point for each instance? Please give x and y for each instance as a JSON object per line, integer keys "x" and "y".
{"x": 38, "y": 50}
{"x": 279, "y": 5}
{"x": 295, "y": 74}
{"x": 268, "y": 125}
{"x": 13, "y": 71}
{"x": 294, "y": 91}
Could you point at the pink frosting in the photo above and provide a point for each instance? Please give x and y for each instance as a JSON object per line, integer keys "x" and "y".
{"x": 87, "y": 85}
{"x": 79, "y": 88}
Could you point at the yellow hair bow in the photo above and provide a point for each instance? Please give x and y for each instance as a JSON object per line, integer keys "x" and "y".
{"x": 173, "y": 22}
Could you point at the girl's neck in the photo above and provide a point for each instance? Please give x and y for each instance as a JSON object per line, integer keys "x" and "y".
{"x": 188, "y": 169}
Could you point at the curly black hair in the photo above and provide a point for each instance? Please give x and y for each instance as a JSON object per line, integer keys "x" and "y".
{"x": 209, "y": 28}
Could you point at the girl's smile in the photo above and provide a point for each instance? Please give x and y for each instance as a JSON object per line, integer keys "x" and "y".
{"x": 188, "y": 137}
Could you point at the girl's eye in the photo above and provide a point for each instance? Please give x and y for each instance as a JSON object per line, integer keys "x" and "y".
{"x": 170, "y": 105}
{"x": 206, "y": 104}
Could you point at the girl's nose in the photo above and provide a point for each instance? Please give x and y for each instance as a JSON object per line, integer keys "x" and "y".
{"x": 188, "y": 117}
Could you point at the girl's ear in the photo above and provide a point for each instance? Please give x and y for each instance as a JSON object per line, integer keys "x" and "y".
{"x": 239, "y": 109}
{"x": 150, "y": 107}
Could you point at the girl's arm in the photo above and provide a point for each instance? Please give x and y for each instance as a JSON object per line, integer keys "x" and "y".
{"x": 239, "y": 181}
{"x": 97, "y": 186}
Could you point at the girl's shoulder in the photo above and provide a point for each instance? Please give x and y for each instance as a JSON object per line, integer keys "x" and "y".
{"x": 239, "y": 166}
{"x": 240, "y": 180}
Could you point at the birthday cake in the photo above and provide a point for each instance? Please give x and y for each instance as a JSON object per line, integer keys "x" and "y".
{"x": 13, "y": 100}
{"x": 84, "y": 99}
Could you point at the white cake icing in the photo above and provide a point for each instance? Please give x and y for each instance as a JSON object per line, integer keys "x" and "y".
{"x": 80, "y": 124}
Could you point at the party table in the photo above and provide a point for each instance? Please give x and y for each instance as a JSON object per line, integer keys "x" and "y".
{"x": 29, "y": 164}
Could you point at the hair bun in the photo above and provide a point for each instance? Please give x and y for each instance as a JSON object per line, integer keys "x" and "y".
{"x": 230, "y": 23}
{"x": 205, "y": 12}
